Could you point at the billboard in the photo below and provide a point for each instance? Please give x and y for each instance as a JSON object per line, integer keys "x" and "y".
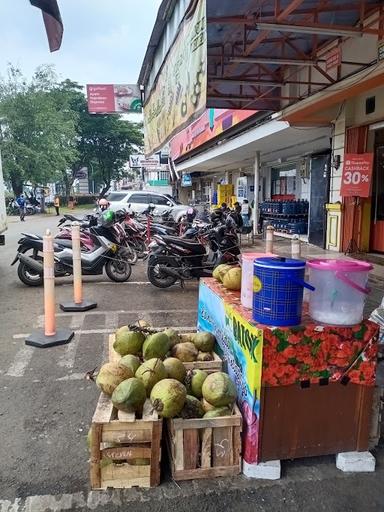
{"x": 111, "y": 99}
{"x": 211, "y": 123}
{"x": 136, "y": 161}
{"x": 179, "y": 93}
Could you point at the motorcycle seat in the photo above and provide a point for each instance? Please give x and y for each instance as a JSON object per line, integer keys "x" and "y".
{"x": 63, "y": 242}
{"x": 192, "y": 245}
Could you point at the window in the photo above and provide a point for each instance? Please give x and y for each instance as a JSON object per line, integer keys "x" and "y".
{"x": 160, "y": 200}
{"x": 139, "y": 198}
{"x": 116, "y": 196}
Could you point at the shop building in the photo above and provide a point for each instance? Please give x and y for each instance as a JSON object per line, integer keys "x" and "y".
{"x": 312, "y": 75}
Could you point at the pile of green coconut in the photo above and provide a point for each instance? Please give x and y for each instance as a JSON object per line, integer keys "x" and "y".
{"x": 152, "y": 367}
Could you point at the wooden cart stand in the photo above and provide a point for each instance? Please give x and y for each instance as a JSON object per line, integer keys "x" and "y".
{"x": 205, "y": 448}
{"x": 123, "y": 438}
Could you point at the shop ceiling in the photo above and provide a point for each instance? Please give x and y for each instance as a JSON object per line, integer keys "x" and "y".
{"x": 276, "y": 140}
{"x": 253, "y": 46}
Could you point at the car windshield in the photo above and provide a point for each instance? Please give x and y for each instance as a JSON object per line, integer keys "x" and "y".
{"x": 116, "y": 196}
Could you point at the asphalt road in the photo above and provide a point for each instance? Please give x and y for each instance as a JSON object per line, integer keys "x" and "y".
{"x": 46, "y": 406}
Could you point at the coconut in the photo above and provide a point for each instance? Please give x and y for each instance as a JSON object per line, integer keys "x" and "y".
{"x": 130, "y": 395}
{"x": 186, "y": 352}
{"x": 193, "y": 408}
{"x": 128, "y": 342}
{"x": 175, "y": 369}
{"x": 219, "y": 390}
{"x": 204, "y": 341}
{"x": 151, "y": 372}
{"x": 156, "y": 345}
{"x": 196, "y": 380}
{"x": 130, "y": 361}
{"x": 186, "y": 336}
{"x": 110, "y": 376}
{"x": 173, "y": 336}
{"x": 168, "y": 397}
{"x": 143, "y": 324}
{"x": 217, "y": 412}
{"x": 220, "y": 271}
{"x": 204, "y": 356}
{"x": 206, "y": 405}
{"x": 232, "y": 279}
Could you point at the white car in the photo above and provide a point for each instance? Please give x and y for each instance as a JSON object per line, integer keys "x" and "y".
{"x": 139, "y": 200}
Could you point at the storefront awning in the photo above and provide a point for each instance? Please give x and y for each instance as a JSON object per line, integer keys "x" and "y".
{"x": 255, "y": 48}
{"x": 276, "y": 140}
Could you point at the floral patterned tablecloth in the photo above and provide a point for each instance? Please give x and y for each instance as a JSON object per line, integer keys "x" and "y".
{"x": 312, "y": 353}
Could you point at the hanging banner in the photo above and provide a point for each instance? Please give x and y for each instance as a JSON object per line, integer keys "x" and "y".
{"x": 179, "y": 93}
{"x": 357, "y": 175}
{"x": 241, "y": 346}
{"x": 110, "y": 99}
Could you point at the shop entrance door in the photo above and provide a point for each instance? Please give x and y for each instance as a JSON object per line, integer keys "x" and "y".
{"x": 377, "y": 226}
{"x": 318, "y": 199}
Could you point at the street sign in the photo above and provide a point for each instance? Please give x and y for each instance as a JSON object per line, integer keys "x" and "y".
{"x": 136, "y": 161}
{"x": 357, "y": 174}
{"x": 186, "y": 180}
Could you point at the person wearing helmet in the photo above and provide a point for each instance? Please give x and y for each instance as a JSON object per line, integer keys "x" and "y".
{"x": 103, "y": 204}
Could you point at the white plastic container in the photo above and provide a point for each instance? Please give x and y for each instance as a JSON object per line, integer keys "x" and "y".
{"x": 247, "y": 260}
{"x": 340, "y": 290}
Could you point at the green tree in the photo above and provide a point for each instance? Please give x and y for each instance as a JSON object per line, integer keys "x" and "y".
{"x": 38, "y": 139}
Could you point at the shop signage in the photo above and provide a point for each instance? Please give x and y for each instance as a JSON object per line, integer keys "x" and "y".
{"x": 137, "y": 161}
{"x": 186, "y": 180}
{"x": 212, "y": 123}
{"x": 109, "y": 98}
{"x": 357, "y": 174}
{"x": 179, "y": 93}
{"x": 241, "y": 346}
{"x": 333, "y": 59}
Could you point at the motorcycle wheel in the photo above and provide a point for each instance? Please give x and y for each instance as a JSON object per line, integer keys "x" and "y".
{"x": 156, "y": 277}
{"x": 118, "y": 270}
{"x": 132, "y": 255}
{"x": 27, "y": 275}
{"x": 141, "y": 249}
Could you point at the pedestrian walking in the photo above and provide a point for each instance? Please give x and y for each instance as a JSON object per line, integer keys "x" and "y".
{"x": 56, "y": 204}
{"x": 21, "y": 204}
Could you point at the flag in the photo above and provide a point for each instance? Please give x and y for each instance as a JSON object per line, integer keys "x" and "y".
{"x": 52, "y": 21}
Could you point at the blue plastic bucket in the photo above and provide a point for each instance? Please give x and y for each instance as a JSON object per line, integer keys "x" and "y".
{"x": 278, "y": 285}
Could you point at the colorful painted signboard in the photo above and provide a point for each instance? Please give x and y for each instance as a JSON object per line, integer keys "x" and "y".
{"x": 179, "y": 93}
{"x": 212, "y": 123}
{"x": 241, "y": 346}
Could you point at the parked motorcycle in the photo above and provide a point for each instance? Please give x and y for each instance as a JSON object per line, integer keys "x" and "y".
{"x": 175, "y": 259}
{"x": 104, "y": 255}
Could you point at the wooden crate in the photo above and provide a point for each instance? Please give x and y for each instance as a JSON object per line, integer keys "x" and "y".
{"x": 209, "y": 366}
{"x": 136, "y": 438}
{"x": 205, "y": 448}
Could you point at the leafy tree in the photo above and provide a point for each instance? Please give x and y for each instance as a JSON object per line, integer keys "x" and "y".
{"x": 38, "y": 139}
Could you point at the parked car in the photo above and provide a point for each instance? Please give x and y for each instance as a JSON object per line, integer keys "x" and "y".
{"x": 139, "y": 200}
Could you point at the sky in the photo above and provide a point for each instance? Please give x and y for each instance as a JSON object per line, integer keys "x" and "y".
{"x": 104, "y": 40}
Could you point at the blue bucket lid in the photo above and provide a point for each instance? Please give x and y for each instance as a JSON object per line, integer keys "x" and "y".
{"x": 279, "y": 263}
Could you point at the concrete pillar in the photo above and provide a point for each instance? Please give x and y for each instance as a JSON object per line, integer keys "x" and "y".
{"x": 255, "y": 211}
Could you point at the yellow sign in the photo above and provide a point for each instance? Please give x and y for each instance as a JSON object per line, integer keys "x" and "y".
{"x": 179, "y": 93}
{"x": 247, "y": 350}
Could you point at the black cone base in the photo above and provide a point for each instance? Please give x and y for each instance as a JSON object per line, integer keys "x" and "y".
{"x": 40, "y": 340}
{"x": 83, "y": 306}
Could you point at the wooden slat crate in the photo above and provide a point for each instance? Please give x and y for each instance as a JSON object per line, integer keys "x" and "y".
{"x": 135, "y": 438}
{"x": 205, "y": 448}
{"x": 209, "y": 366}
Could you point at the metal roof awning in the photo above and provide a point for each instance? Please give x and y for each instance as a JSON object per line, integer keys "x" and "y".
{"x": 276, "y": 140}
{"x": 255, "y": 48}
